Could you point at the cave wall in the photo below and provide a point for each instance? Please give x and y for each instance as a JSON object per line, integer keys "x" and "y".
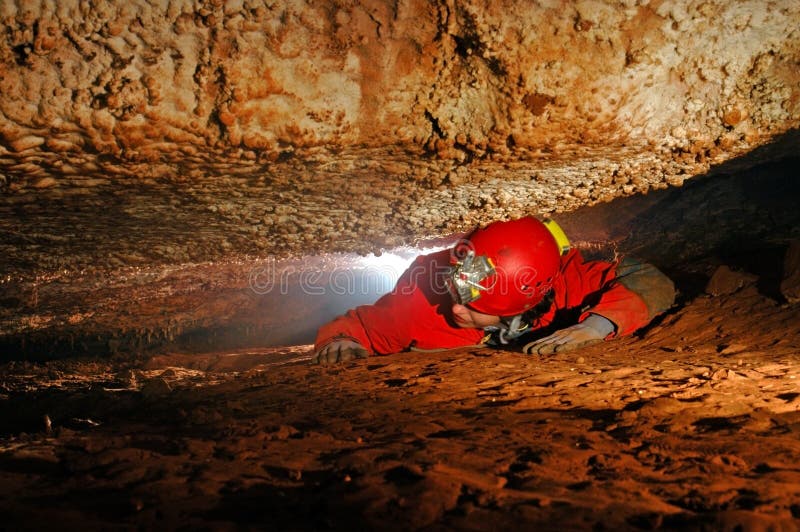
{"x": 435, "y": 115}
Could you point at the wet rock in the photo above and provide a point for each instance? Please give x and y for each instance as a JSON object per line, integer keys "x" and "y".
{"x": 727, "y": 281}
{"x": 790, "y": 285}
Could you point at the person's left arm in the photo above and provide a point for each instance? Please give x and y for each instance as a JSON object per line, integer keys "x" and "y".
{"x": 637, "y": 293}
{"x": 626, "y": 296}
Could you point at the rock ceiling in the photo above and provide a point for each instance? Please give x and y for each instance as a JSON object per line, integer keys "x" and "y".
{"x": 168, "y": 132}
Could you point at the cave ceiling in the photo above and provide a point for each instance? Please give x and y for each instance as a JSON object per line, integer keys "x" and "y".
{"x": 148, "y": 132}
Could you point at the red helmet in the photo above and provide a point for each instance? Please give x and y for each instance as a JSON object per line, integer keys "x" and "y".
{"x": 505, "y": 268}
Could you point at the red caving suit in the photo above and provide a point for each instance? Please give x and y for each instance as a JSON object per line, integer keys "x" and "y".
{"x": 416, "y": 313}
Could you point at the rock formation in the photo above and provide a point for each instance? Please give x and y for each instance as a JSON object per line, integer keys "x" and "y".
{"x": 153, "y": 153}
{"x": 177, "y": 177}
{"x": 434, "y": 116}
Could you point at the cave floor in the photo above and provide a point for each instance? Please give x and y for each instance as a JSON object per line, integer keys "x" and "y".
{"x": 692, "y": 424}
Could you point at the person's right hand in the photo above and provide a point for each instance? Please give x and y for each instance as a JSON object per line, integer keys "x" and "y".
{"x": 339, "y": 351}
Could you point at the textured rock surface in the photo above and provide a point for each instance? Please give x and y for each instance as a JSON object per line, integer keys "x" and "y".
{"x": 790, "y": 284}
{"x": 155, "y": 155}
{"x": 340, "y": 126}
{"x": 688, "y": 427}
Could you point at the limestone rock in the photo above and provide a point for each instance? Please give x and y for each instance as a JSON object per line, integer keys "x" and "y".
{"x": 154, "y": 155}
{"x": 359, "y": 121}
{"x": 790, "y": 285}
{"x": 727, "y": 281}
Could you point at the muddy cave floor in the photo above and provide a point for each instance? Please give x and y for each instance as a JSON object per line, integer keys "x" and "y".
{"x": 693, "y": 424}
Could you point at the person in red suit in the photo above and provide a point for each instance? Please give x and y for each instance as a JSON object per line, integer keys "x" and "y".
{"x": 512, "y": 283}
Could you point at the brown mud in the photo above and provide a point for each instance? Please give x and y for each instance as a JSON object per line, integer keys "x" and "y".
{"x": 694, "y": 424}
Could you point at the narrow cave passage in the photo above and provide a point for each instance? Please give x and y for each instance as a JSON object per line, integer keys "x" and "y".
{"x": 190, "y": 189}
{"x": 692, "y": 422}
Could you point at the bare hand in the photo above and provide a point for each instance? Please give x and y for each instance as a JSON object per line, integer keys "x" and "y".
{"x": 339, "y": 351}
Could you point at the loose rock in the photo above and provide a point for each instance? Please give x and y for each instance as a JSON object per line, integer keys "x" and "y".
{"x": 727, "y": 281}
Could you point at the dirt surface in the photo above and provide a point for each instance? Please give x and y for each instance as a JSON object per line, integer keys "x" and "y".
{"x": 692, "y": 424}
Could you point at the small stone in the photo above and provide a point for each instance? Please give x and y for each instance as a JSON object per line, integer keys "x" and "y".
{"x": 721, "y": 374}
{"x": 726, "y": 281}
{"x": 127, "y": 378}
{"x": 156, "y": 388}
{"x": 580, "y": 192}
{"x": 731, "y": 349}
{"x": 732, "y": 116}
{"x": 283, "y": 432}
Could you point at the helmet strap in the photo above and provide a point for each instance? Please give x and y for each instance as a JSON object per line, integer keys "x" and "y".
{"x": 511, "y": 328}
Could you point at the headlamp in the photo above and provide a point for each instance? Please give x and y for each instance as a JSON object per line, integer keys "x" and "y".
{"x": 465, "y": 276}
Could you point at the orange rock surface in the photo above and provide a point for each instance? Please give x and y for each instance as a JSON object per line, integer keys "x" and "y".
{"x": 687, "y": 426}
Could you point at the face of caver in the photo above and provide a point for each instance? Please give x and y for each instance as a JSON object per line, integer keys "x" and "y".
{"x": 467, "y": 318}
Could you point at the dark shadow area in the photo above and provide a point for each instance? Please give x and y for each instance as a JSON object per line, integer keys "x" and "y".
{"x": 289, "y": 507}
{"x": 287, "y": 314}
{"x": 739, "y": 215}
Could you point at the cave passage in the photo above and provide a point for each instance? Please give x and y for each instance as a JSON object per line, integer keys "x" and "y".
{"x": 189, "y": 189}
{"x": 744, "y": 218}
{"x": 184, "y": 397}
